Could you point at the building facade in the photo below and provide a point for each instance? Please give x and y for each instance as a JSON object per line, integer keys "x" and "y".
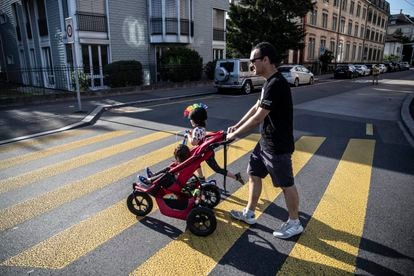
{"x": 35, "y": 50}
{"x": 353, "y": 30}
{"x": 403, "y": 25}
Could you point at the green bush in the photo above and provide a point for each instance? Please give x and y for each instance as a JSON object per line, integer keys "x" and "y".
{"x": 180, "y": 64}
{"x": 123, "y": 73}
{"x": 209, "y": 69}
{"x": 82, "y": 78}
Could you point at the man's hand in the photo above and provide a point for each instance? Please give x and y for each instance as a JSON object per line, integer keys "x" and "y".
{"x": 231, "y": 136}
{"x": 231, "y": 129}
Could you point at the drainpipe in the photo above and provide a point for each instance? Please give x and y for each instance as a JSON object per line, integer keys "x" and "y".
{"x": 365, "y": 31}
{"x": 337, "y": 32}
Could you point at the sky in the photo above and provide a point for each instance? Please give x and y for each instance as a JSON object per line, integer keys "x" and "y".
{"x": 406, "y": 5}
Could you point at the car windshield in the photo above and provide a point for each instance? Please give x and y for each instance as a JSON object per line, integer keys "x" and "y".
{"x": 284, "y": 68}
{"x": 229, "y": 66}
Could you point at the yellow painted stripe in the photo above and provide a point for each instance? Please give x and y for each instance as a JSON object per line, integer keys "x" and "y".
{"x": 195, "y": 255}
{"x": 83, "y": 160}
{"x": 332, "y": 236}
{"x": 369, "y": 129}
{"x": 23, "y": 211}
{"x": 21, "y": 159}
{"x": 94, "y": 231}
{"x": 32, "y": 143}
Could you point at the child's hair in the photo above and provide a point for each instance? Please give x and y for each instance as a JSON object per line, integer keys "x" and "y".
{"x": 197, "y": 113}
{"x": 181, "y": 153}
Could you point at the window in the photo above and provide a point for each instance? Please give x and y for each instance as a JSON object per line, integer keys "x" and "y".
{"x": 342, "y": 25}
{"x": 42, "y": 22}
{"x": 332, "y": 46}
{"x": 356, "y": 29}
{"x": 374, "y": 18}
{"x": 347, "y": 49}
{"x": 353, "y": 52}
{"x": 339, "y": 54}
{"x": 49, "y": 75}
{"x": 94, "y": 58}
{"x": 27, "y": 19}
{"x": 336, "y": 3}
{"x": 322, "y": 45}
{"x": 334, "y": 22}
{"x": 313, "y": 17}
{"x": 359, "y": 52}
{"x": 218, "y": 54}
{"x": 351, "y": 7}
{"x": 91, "y": 6}
{"x": 358, "y": 11}
{"x": 350, "y": 27}
{"x": 219, "y": 25}
{"x": 344, "y": 4}
{"x": 362, "y": 31}
{"x": 311, "y": 48}
{"x": 367, "y": 34}
{"x": 364, "y": 13}
{"x": 16, "y": 18}
{"x": 325, "y": 20}
{"x": 382, "y": 23}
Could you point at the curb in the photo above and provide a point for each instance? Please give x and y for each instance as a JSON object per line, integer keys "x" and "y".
{"x": 93, "y": 116}
{"x": 407, "y": 119}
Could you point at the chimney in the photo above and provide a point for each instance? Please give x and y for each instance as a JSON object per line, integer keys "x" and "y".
{"x": 401, "y": 11}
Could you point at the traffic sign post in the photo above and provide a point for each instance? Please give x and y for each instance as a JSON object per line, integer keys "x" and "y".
{"x": 70, "y": 40}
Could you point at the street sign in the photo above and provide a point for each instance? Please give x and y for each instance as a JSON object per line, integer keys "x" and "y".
{"x": 69, "y": 30}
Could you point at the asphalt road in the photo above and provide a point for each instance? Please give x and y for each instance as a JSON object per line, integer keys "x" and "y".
{"x": 62, "y": 197}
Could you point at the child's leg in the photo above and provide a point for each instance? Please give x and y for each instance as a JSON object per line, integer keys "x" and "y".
{"x": 200, "y": 173}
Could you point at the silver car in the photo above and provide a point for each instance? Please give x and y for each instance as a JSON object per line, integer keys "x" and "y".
{"x": 296, "y": 74}
{"x": 362, "y": 70}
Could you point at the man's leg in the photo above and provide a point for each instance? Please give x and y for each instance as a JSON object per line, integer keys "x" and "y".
{"x": 255, "y": 189}
{"x": 292, "y": 201}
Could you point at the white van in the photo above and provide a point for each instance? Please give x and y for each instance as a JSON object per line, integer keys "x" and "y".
{"x": 236, "y": 74}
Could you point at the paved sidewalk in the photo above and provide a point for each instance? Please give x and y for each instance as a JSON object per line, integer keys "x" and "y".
{"x": 23, "y": 122}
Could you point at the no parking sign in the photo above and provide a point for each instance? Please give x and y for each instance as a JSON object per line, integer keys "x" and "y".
{"x": 69, "y": 29}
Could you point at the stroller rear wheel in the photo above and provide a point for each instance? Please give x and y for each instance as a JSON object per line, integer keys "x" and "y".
{"x": 139, "y": 203}
{"x": 201, "y": 221}
{"x": 210, "y": 195}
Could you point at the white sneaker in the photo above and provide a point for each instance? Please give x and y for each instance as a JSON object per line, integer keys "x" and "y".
{"x": 245, "y": 215}
{"x": 288, "y": 229}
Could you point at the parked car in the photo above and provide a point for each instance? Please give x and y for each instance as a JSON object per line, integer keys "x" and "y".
{"x": 362, "y": 70}
{"x": 369, "y": 66}
{"x": 390, "y": 67}
{"x": 296, "y": 74}
{"x": 345, "y": 71}
{"x": 236, "y": 74}
{"x": 404, "y": 65}
{"x": 383, "y": 68}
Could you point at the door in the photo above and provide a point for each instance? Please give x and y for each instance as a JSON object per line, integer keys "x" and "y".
{"x": 94, "y": 58}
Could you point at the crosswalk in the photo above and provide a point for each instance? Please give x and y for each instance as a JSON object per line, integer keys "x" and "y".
{"x": 81, "y": 198}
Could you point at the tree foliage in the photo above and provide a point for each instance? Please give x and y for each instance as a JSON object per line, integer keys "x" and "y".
{"x": 180, "y": 64}
{"x": 275, "y": 21}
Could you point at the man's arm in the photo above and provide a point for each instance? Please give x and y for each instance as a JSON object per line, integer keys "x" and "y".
{"x": 251, "y": 122}
{"x": 246, "y": 116}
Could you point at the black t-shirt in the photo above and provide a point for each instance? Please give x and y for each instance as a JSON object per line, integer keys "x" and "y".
{"x": 277, "y": 127}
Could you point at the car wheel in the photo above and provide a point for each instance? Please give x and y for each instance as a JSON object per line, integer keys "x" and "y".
{"x": 296, "y": 82}
{"x": 311, "y": 80}
{"x": 247, "y": 88}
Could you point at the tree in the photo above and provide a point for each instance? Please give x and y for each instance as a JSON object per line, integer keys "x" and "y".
{"x": 274, "y": 21}
{"x": 325, "y": 59}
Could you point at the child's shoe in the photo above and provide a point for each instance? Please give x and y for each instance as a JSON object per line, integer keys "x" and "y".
{"x": 143, "y": 181}
{"x": 202, "y": 179}
{"x": 149, "y": 172}
{"x": 239, "y": 178}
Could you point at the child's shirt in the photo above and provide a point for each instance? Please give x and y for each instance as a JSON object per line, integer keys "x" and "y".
{"x": 198, "y": 134}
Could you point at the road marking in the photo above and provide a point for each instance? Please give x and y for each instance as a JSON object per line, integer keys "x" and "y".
{"x": 199, "y": 255}
{"x": 83, "y": 160}
{"x": 369, "y": 129}
{"x": 31, "y": 143}
{"x": 21, "y": 159}
{"x": 332, "y": 236}
{"x": 28, "y": 209}
{"x": 71, "y": 244}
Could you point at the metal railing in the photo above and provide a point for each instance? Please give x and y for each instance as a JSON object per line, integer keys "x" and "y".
{"x": 92, "y": 22}
{"x": 219, "y": 35}
{"x": 171, "y": 26}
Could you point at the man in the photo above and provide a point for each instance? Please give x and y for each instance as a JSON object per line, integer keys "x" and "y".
{"x": 272, "y": 155}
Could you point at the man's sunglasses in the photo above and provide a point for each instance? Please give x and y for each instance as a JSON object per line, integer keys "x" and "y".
{"x": 254, "y": 60}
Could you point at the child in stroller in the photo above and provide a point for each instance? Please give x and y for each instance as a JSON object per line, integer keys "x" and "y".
{"x": 176, "y": 196}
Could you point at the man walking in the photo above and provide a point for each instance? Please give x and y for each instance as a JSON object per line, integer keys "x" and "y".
{"x": 272, "y": 154}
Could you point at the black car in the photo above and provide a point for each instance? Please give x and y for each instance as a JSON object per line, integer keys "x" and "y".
{"x": 345, "y": 71}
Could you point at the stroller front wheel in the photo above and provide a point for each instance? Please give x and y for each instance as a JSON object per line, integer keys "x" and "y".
{"x": 201, "y": 221}
{"x": 139, "y": 203}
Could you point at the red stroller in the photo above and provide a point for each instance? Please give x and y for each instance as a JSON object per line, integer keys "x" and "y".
{"x": 179, "y": 193}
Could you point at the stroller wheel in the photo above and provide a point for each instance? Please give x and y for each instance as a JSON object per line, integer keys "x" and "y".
{"x": 201, "y": 221}
{"x": 139, "y": 204}
{"x": 210, "y": 195}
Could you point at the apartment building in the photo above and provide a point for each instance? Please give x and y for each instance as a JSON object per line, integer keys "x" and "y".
{"x": 354, "y": 30}
{"x": 401, "y": 24}
{"x": 34, "y": 48}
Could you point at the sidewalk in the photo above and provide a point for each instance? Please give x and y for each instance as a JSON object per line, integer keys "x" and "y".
{"x": 23, "y": 122}
{"x": 19, "y": 123}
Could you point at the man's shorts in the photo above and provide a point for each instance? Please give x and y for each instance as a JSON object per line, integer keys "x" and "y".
{"x": 279, "y": 166}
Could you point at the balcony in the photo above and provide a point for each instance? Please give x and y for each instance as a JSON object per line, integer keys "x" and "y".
{"x": 91, "y": 22}
{"x": 219, "y": 35}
